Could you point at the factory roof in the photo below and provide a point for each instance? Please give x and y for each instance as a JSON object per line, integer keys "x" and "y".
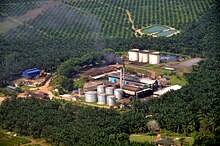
{"x": 131, "y": 88}
{"x": 147, "y": 81}
{"x": 165, "y": 141}
{"x": 99, "y": 71}
{"x": 167, "y": 89}
{"x": 32, "y": 70}
{"x": 127, "y": 77}
{"x": 169, "y": 68}
{"x": 39, "y": 94}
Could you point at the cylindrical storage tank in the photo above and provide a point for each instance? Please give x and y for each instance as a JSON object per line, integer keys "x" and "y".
{"x": 144, "y": 56}
{"x": 154, "y": 58}
{"x": 101, "y": 89}
{"x": 102, "y": 98}
{"x": 118, "y": 93}
{"x": 109, "y": 90}
{"x": 91, "y": 96}
{"x": 111, "y": 100}
{"x": 133, "y": 54}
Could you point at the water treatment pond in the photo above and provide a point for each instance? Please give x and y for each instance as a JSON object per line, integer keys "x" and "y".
{"x": 165, "y": 58}
{"x": 166, "y": 33}
{"x": 154, "y": 29}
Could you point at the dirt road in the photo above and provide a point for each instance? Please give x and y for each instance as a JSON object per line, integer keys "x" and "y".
{"x": 1, "y": 99}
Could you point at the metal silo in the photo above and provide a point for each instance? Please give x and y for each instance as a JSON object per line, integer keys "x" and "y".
{"x": 101, "y": 89}
{"x": 144, "y": 56}
{"x": 133, "y": 54}
{"x": 154, "y": 58}
{"x": 102, "y": 98}
{"x": 118, "y": 93}
{"x": 109, "y": 90}
{"x": 111, "y": 100}
{"x": 91, "y": 96}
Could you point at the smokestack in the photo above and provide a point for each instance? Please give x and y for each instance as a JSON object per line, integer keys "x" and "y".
{"x": 123, "y": 74}
{"x": 123, "y": 67}
{"x": 120, "y": 78}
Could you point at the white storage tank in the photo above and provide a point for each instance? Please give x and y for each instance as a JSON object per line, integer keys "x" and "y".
{"x": 101, "y": 89}
{"x": 144, "y": 56}
{"x": 109, "y": 90}
{"x": 118, "y": 93}
{"x": 154, "y": 58}
{"x": 102, "y": 98}
{"x": 133, "y": 54}
{"x": 111, "y": 100}
{"x": 91, "y": 96}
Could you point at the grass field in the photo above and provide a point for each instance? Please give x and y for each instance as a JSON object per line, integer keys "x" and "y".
{"x": 159, "y": 71}
{"x": 147, "y": 138}
{"x": 174, "y": 79}
{"x": 142, "y": 138}
{"x": 179, "y": 80}
{"x": 8, "y": 139}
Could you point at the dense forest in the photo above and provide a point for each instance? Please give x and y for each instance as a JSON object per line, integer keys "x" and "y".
{"x": 62, "y": 123}
{"x": 193, "y": 110}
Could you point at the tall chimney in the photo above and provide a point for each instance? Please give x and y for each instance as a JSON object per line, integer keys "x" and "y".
{"x": 120, "y": 78}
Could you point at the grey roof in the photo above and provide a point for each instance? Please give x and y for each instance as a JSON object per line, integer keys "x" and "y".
{"x": 165, "y": 141}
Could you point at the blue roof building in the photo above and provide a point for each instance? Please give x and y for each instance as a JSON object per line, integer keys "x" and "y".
{"x": 31, "y": 73}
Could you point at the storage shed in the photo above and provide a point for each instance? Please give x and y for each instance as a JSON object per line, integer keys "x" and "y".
{"x": 31, "y": 73}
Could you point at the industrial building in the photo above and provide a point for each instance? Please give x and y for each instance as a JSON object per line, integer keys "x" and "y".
{"x": 37, "y": 94}
{"x": 97, "y": 73}
{"x": 144, "y": 56}
{"x": 165, "y": 90}
{"x": 115, "y": 77}
{"x": 114, "y": 90}
{"x": 132, "y": 80}
{"x": 137, "y": 91}
{"x": 31, "y": 73}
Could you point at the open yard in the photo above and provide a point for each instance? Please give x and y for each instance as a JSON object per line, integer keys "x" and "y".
{"x": 187, "y": 63}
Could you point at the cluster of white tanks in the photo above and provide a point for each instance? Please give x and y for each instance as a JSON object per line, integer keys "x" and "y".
{"x": 144, "y": 56}
{"x": 104, "y": 95}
